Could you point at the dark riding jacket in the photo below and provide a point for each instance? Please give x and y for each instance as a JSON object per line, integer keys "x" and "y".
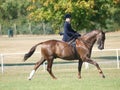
{"x": 69, "y": 33}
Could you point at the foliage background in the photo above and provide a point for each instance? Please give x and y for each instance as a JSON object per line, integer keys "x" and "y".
{"x": 47, "y": 16}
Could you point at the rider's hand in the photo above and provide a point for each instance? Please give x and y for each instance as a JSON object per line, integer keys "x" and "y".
{"x": 61, "y": 33}
{"x": 77, "y": 34}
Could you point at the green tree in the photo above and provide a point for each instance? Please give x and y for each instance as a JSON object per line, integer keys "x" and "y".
{"x": 13, "y": 11}
{"x": 102, "y": 10}
{"x": 116, "y": 14}
{"x": 9, "y": 10}
{"x": 86, "y": 14}
{"x": 54, "y": 10}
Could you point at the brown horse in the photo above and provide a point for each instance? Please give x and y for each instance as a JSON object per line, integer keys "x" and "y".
{"x": 52, "y": 49}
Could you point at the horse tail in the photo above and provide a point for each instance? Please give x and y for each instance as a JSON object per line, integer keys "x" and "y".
{"x": 32, "y": 50}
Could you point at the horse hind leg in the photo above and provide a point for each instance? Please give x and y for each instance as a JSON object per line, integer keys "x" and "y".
{"x": 42, "y": 60}
{"x": 49, "y": 68}
{"x": 79, "y": 68}
{"x": 97, "y": 65}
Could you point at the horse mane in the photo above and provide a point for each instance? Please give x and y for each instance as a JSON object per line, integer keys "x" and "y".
{"x": 91, "y": 31}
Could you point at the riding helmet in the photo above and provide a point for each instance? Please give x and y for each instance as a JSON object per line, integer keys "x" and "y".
{"x": 67, "y": 16}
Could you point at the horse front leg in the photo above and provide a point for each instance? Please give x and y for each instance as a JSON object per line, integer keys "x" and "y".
{"x": 80, "y": 62}
{"x": 36, "y": 67}
{"x": 97, "y": 65}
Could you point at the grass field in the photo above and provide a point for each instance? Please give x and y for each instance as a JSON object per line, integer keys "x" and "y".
{"x": 67, "y": 80}
{"x": 15, "y": 77}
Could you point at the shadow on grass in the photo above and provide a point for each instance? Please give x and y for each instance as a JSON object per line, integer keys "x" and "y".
{"x": 29, "y": 64}
{"x": 106, "y": 57}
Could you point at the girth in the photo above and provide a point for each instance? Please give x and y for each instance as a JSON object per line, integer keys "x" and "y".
{"x": 73, "y": 44}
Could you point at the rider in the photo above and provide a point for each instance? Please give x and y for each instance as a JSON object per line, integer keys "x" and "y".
{"x": 69, "y": 34}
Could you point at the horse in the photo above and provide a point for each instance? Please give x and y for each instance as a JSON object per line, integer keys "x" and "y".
{"x": 52, "y": 49}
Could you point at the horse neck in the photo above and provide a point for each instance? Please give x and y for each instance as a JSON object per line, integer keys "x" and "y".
{"x": 89, "y": 39}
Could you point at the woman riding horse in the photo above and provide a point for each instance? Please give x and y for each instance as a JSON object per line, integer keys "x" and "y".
{"x": 52, "y": 49}
{"x": 69, "y": 33}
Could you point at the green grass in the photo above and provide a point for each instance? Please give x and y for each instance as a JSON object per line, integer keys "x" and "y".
{"x": 67, "y": 80}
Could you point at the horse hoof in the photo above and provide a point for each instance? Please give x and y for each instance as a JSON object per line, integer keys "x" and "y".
{"x": 103, "y": 76}
{"x": 29, "y": 78}
{"x": 54, "y": 78}
{"x": 79, "y": 77}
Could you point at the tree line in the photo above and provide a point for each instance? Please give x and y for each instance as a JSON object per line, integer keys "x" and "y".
{"x": 48, "y": 15}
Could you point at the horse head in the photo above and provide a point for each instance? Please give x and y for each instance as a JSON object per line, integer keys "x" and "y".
{"x": 94, "y": 36}
{"x": 100, "y": 40}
